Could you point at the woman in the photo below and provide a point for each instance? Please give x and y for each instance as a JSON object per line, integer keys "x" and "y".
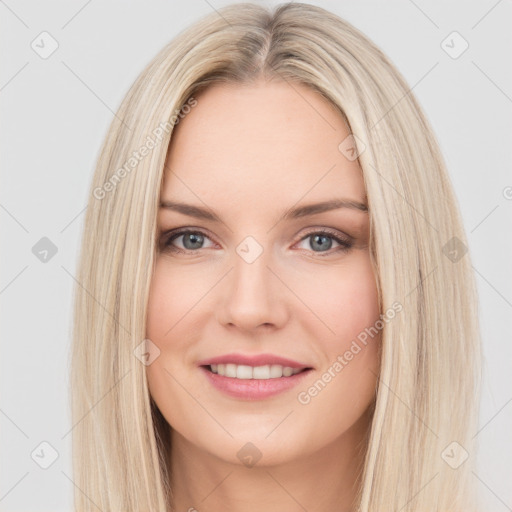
{"x": 277, "y": 307}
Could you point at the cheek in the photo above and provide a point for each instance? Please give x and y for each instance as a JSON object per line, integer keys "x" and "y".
{"x": 167, "y": 305}
{"x": 357, "y": 306}
{"x": 170, "y": 298}
{"x": 346, "y": 300}
{"x": 162, "y": 303}
{"x": 357, "y": 339}
{"x": 349, "y": 354}
{"x": 173, "y": 293}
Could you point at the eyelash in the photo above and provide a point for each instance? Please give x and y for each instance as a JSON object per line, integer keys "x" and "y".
{"x": 345, "y": 245}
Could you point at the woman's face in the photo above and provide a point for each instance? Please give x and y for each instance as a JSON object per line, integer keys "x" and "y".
{"x": 255, "y": 282}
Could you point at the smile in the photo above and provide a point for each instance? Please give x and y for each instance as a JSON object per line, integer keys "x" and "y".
{"x": 244, "y": 372}
{"x": 253, "y": 383}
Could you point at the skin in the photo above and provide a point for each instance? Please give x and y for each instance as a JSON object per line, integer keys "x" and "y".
{"x": 250, "y": 153}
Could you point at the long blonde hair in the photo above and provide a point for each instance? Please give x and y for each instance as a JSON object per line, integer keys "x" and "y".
{"x": 427, "y": 398}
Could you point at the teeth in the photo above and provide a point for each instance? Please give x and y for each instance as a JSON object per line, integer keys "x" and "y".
{"x": 242, "y": 371}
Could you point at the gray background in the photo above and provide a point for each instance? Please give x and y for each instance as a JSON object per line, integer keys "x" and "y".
{"x": 55, "y": 113}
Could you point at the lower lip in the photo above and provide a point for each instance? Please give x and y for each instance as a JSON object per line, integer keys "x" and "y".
{"x": 253, "y": 389}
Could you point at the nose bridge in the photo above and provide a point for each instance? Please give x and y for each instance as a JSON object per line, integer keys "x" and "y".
{"x": 253, "y": 296}
{"x": 251, "y": 273}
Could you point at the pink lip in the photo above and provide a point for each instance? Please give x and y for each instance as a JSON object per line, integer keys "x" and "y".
{"x": 253, "y": 389}
{"x": 252, "y": 360}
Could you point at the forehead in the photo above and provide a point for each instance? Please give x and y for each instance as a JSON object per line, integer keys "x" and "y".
{"x": 265, "y": 143}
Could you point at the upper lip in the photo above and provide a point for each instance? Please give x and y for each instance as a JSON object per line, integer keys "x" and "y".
{"x": 253, "y": 360}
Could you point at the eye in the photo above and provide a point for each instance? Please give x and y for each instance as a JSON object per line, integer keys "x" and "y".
{"x": 322, "y": 240}
{"x": 192, "y": 240}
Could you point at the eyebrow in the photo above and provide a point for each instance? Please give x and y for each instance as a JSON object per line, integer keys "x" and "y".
{"x": 295, "y": 213}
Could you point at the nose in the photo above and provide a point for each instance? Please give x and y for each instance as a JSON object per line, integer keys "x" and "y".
{"x": 253, "y": 295}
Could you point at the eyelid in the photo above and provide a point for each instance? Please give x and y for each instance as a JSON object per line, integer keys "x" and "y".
{"x": 335, "y": 233}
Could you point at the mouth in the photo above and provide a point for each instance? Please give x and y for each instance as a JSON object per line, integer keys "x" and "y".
{"x": 246, "y": 372}
{"x": 250, "y": 383}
